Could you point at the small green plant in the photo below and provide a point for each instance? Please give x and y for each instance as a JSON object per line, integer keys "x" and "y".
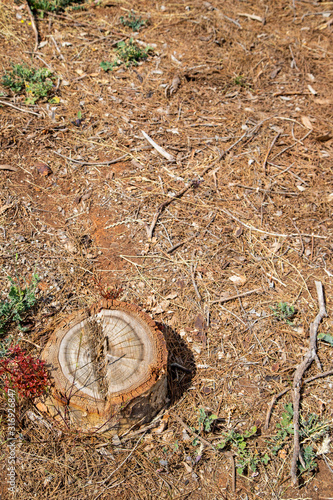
{"x": 18, "y": 303}
{"x": 108, "y": 66}
{"x": 284, "y": 312}
{"x": 133, "y": 22}
{"x": 129, "y": 54}
{"x": 36, "y": 83}
{"x": 311, "y": 430}
{"x": 246, "y": 459}
{"x": 52, "y": 5}
{"x": 5, "y": 345}
{"x": 240, "y": 81}
{"x": 205, "y": 421}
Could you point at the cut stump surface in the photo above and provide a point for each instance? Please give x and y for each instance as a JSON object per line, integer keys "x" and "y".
{"x": 108, "y": 366}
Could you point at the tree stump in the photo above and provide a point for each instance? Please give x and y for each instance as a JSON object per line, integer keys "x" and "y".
{"x": 109, "y": 368}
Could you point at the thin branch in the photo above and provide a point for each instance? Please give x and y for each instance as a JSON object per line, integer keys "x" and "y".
{"x": 19, "y": 109}
{"x": 33, "y": 24}
{"x": 278, "y": 396}
{"x": 162, "y": 207}
{"x": 80, "y": 162}
{"x": 158, "y": 148}
{"x": 297, "y": 383}
{"x": 232, "y": 297}
{"x": 268, "y": 232}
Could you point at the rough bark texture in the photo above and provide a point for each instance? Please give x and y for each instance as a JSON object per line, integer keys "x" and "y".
{"x": 134, "y": 353}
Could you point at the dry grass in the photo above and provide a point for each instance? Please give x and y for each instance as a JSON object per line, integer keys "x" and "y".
{"x": 258, "y": 219}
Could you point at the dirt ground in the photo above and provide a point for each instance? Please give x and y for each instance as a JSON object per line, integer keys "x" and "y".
{"x": 207, "y": 242}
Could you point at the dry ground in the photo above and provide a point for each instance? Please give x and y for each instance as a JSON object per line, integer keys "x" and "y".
{"x": 256, "y": 219}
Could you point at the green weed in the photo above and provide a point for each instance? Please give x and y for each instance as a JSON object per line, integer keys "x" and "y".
{"x": 311, "y": 430}
{"x": 19, "y": 302}
{"x": 246, "y": 459}
{"x": 283, "y": 312}
{"x": 129, "y": 53}
{"x": 36, "y": 83}
{"x": 133, "y": 22}
{"x": 240, "y": 81}
{"x": 205, "y": 423}
{"x": 108, "y": 66}
{"x": 52, "y": 5}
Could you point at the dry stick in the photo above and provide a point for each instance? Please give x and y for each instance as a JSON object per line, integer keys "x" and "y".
{"x": 278, "y": 396}
{"x": 268, "y": 232}
{"x": 269, "y": 151}
{"x": 163, "y": 206}
{"x": 33, "y": 24}
{"x": 19, "y": 109}
{"x": 122, "y": 463}
{"x": 302, "y": 367}
{"x": 232, "y": 297}
{"x": 80, "y": 162}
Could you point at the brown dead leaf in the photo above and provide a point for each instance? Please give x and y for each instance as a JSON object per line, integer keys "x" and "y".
{"x": 324, "y": 138}
{"x": 43, "y": 169}
{"x": 8, "y": 167}
{"x": 306, "y": 122}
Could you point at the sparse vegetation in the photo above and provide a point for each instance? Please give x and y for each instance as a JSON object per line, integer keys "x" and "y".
{"x": 133, "y": 22}
{"x": 312, "y": 429}
{"x": 19, "y": 302}
{"x": 53, "y": 5}
{"x": 36, "y": 83}
{"x": 284, "y": 312}
{"x": 25, "y": 374}
{"x": 246, "y": 459}
{"x": 129, "y": 54}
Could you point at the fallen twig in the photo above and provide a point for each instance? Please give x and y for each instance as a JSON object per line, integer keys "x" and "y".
{"x": 162, "y": 207}
{"x": 232, "y": 297}
{"x": 282, "y": 393}
{"x": 268, "y": 232}
{"x": 19, "y": 109}
{"x": 158, "y": 148}
{"x": 190, "y": 431}
{"x": 80, "y": 162}
{"x": 269, "y": 151}
{"x": 297, "y": 383}
{"x": 33, "y": 24}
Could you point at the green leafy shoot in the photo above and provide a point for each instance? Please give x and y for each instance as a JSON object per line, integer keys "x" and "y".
{"x": 19, "y": 302}
{"x": 246, "y": 459}
{"x": 312, "y": 429}
{"x": 284, "y": 312}
{"x": 129, "y": 53}
{"x": 108, "y": 66}
{"x": 326, "y": 337}
{"x": 5, "y": 346}
{"x": 43, "y": 6}
{"x": 133, "y": 22}
{"x": 205, "y": 421}
{"x": 36, "y": 83}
